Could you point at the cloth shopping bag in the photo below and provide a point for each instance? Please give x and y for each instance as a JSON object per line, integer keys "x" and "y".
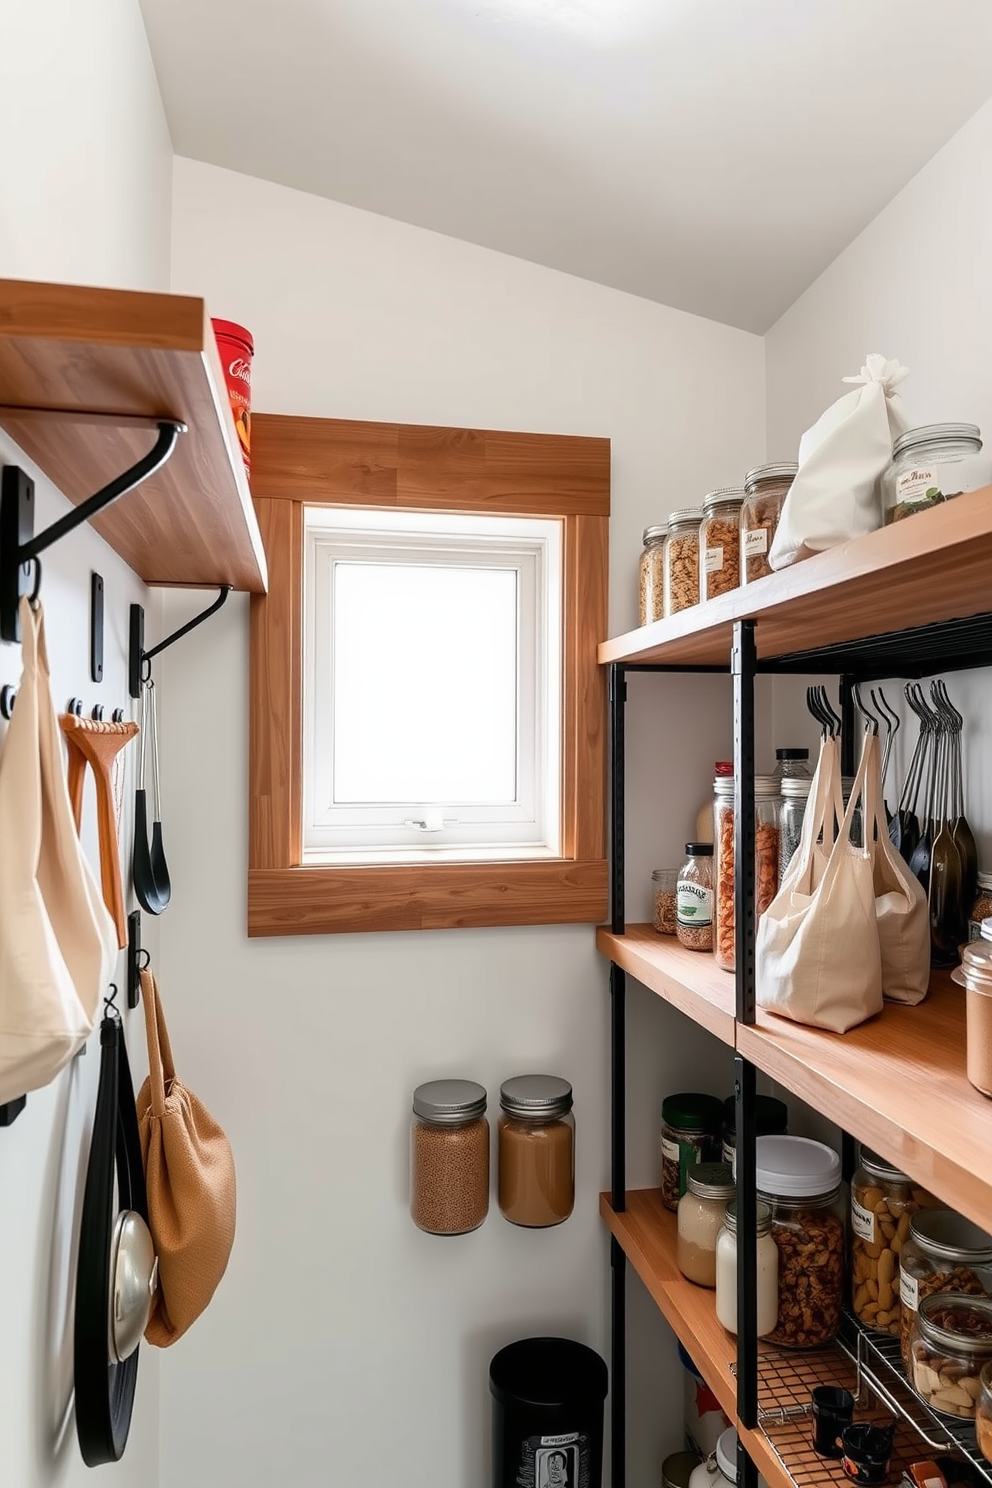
{"x": 901, "y": 910}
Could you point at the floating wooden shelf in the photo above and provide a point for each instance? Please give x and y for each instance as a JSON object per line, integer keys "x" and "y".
{"x": 84, "y": 375}
{"x": 690, "y": 980}
{"x": 932, "y": 567}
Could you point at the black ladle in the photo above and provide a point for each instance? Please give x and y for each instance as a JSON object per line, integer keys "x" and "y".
{"x": 152, "y": 885}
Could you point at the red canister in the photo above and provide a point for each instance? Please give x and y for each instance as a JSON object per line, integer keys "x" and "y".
{"x": 236, "y": 349}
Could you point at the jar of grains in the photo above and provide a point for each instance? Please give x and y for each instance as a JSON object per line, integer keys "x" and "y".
{"x": 944, "y": 1253}
{"x": 800, "y": 1180}
{"x": 536, "y": 1150}
{"x": 690, "y": 1134}
{"x": 652, "y": 575}
{"x": 983, "y": 1413}
{"x": 682, "y": 560}
{"x": 975, "y": 976}
{"x": 664, "y": 882}
{"x": 982, "y": 907}
{"x": 931, "y": 465}
{"x": 720, "y": 542}
{"x": 709, "y": 1189}
{"x": 449, "y": 1157}
{"x": 795, "y": 794}
{"x": 883, "y": 1201}
{"x": 771, "y": 1119}
{"x": 766, "y": 844}
{"x": 726, "y": 1272}
{"x": 765, "y": 490}
{"x": 950, "y": 1346}
{"x": 694, "y": 898}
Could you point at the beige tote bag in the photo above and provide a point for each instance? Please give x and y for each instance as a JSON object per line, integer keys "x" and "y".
{"x": 57, "y": 941}
{"x": 901, "y": 909}
{"x": 817, "y": 953}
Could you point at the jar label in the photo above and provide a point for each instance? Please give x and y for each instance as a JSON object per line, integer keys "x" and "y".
{"x": 669, "y": 1150}
{"x": 694, "y": 904}
{"x": 909, "y": 1290}
{"x": 713, "y": 561}
{"x": 756, "y": 542}
{"x": 862, "y": 1221}
{"x": 921, "y": 483}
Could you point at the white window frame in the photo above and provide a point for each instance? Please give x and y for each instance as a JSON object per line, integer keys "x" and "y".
{"x": 528, "y": 827}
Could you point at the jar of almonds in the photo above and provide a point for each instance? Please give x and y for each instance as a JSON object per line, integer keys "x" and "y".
{"x": 765, "y": 490}
{"x": 682, "y": 560}
{"x": 651, "y": 605}
{"x": 883, "y": 1201}
{"x": 944, "y": 1253}
{"x": 720, "y": 542}
{"x": 950, "y": 1347}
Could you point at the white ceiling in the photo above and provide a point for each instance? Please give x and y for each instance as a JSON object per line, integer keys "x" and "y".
{"x": 711, "y": 154}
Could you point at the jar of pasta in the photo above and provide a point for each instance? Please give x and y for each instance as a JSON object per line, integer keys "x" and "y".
{"x": 652, "y": 575}
{"x": 883, "y": 1202}
{"x": 682, "y": 560}
{"x": 720, "y": 542}
{"x": 944, "y": 1253}
{"x": 766, "y": 841}
{"x": 765, "y": 490}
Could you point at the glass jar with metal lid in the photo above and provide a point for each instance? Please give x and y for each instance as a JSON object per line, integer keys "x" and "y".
{"x": 792, "y": 764}
{"x": 682, "y": 560}
{"x": 690, "y": 1134}
{"x": 709, "y": 1189}
{"x": 800, "y": 1179}
{"x": 536, "y": 1145}
{"x": 944, "y": 1253}
{"x": 795, "y": 795}
{"x": 720, "y": 542}
{"x": 932, "y": 464}
{"x": 765, "y": 490}
{"x": 449, "y": 1157}
{"x": 694, "y": 898}
{"x": 766, "y": 846}
{"x": 652, "y": 575}
{"x": 950, "y": 1346}
{"x": 767, "y": 1272}
{"x": 883, "y": 1202}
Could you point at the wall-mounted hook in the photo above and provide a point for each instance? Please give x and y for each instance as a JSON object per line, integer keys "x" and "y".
{"x": 118, "y": 715}
{"x": 138, "y": 959}
{"x": 96, "y": 713}
{"x": 75, "y": 705}
{"x": 139, "y": 660}
{"x": 8, "y": 697}
{"x": 96, "y": 628}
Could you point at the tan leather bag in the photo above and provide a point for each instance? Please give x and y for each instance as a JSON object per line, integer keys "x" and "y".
{"x": 189, "y": 1174}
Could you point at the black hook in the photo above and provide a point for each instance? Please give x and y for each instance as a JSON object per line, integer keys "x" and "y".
{"x": 118, "y": 715}
{"x": 96, "y": 712}
{"x": 8, "y": 697}
{"x": 75, "y": 706}
{"x": 110, "y": 1008}
{"x": 139, "y": 660}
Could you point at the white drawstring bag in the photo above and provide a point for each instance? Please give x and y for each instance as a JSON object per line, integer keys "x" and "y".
{"x": 901, "y": 909}
{"x": 57, "y": 941}
{"x": 817, "y": 953}
{"x": 835, "y": 495}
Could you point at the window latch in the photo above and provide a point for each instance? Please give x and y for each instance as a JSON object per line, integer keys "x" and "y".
{"x": 431, "y": 821}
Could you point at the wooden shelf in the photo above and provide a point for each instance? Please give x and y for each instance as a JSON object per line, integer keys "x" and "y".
{"x": 84, "y": 375}
{"x": 930, "y": 568}
{"x": 690, "y": 980}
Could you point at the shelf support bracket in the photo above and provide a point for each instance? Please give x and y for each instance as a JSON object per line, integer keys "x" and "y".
{"x": 139, "y": 660}
{"x": 21, "y": 549}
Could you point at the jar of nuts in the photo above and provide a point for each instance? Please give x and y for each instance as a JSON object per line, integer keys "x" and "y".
{"x": 944, "y": 1253}
{"x": 883, "y": 1201}
{"x": 983, "y": 1413}
{"x": 682, "y": 560}
{"x": 449, "y": 1157}
{"x": 690, "y": 1134}
{"x": 765, "y": 490}
{"x": 720, "y": 542}
{"x": 800, "y": 1180}
{"x": 652, "y": 575}
{"x": 694, "y": 898}
{"x": 766, "y": 845}
{"x": 950, "y": 1346}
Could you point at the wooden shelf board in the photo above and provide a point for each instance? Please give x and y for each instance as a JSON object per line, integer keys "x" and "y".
{"x": 690, "y": 980}
{"x": 84, "y": 373}
{"x": 931, "y": 567}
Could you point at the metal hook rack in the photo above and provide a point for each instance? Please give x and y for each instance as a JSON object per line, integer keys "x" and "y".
{"x": 21, "y": 549}
{"x": 139, "y": 660}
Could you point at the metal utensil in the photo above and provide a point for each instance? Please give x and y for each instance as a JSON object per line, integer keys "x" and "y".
{"x": 152, "y": 885}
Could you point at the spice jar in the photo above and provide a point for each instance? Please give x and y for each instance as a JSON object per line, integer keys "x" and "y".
{"x": 771, "y": 1119}
{"x": 682, "y": 560}
{"x": 983, "y": 1413}
{"x": 792, "y": 764}
{"x": 982, "y": 907}
{"x": 950, "y": 1346}
{"x": 795, "y": 794}
{"x": 765, "y": 490}
{"x": 766, "y": 842}
{"x": 883, "y": 1201}
{"x": 975, "y": 975}
{"x": 720, "y": 542}
{"x": 652, "y": 575}
{"x": 664, "y": 882}
{"x": 536, "y": 1144}
{"x": 690, "y": 1134}
{"x": 449, "y": 1157}
{"x": 800, "y": 1180}
{"x": 944, "y": 1253}
{"x": 767, "y": 1273}
{"x": 933, "y": 464}
{"x": 694, "y": 898}
{"x": 709, "y": 1189}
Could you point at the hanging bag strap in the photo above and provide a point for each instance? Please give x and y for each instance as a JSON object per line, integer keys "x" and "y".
{"x": 161, "y": 1066}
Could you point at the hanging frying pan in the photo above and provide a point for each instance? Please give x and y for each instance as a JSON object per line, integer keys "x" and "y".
{"x": 117, "y": 1272}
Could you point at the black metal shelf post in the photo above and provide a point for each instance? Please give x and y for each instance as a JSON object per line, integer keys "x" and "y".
{"x": 618, "y": 1065}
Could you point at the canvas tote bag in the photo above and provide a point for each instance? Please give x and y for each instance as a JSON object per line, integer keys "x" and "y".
{"x": 189, "y": 1175}
{"x": 817, "y": 953}
{"x": 901, "y": 910}
{"x": 57, "y": 941}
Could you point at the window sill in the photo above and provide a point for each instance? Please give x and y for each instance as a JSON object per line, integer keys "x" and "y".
{"x": 435, "y": 896}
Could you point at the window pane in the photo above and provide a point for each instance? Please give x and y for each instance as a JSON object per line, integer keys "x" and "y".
{"x": 424, "y": 683}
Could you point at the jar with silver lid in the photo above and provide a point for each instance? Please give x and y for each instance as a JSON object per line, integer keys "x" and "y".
{"x": 951, "y": 1345}
{"x": 795, "y": 794}
{"x": 945, "y": 1252}
{"x": 709, "y": 1187}
{"x": 931, "y": 465}
{"x": 682, "y": 560}
{"x": 765, "y": 490}
{"x": 651, "y": 569}
{"x": 536, "y": 1144}
{"x": 449, "y": 1157}
{"x": 720, "y": 542}
{"x": 767, "y": 1272}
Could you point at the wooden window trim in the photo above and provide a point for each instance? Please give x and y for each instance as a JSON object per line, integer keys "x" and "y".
{"x": 336, "y": 462}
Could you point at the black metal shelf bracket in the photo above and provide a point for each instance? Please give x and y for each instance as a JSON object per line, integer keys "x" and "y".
{"x": 139, "y": 663}
{"x": 21, "y": 549}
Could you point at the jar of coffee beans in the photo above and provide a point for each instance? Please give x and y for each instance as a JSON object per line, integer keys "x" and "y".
{"x": 449, "y": 1157}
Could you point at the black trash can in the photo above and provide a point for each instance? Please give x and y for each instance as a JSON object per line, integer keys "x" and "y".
{"x": 548, "y": 1396}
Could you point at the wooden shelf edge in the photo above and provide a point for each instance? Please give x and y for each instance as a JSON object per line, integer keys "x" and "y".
{"x": 689, "y": 980}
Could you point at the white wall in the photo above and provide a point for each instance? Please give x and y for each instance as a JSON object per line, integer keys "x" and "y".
{"x": 344, "y": 1346}
{"x": 84, "y": 196}
{"x": 914, "y": 285}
